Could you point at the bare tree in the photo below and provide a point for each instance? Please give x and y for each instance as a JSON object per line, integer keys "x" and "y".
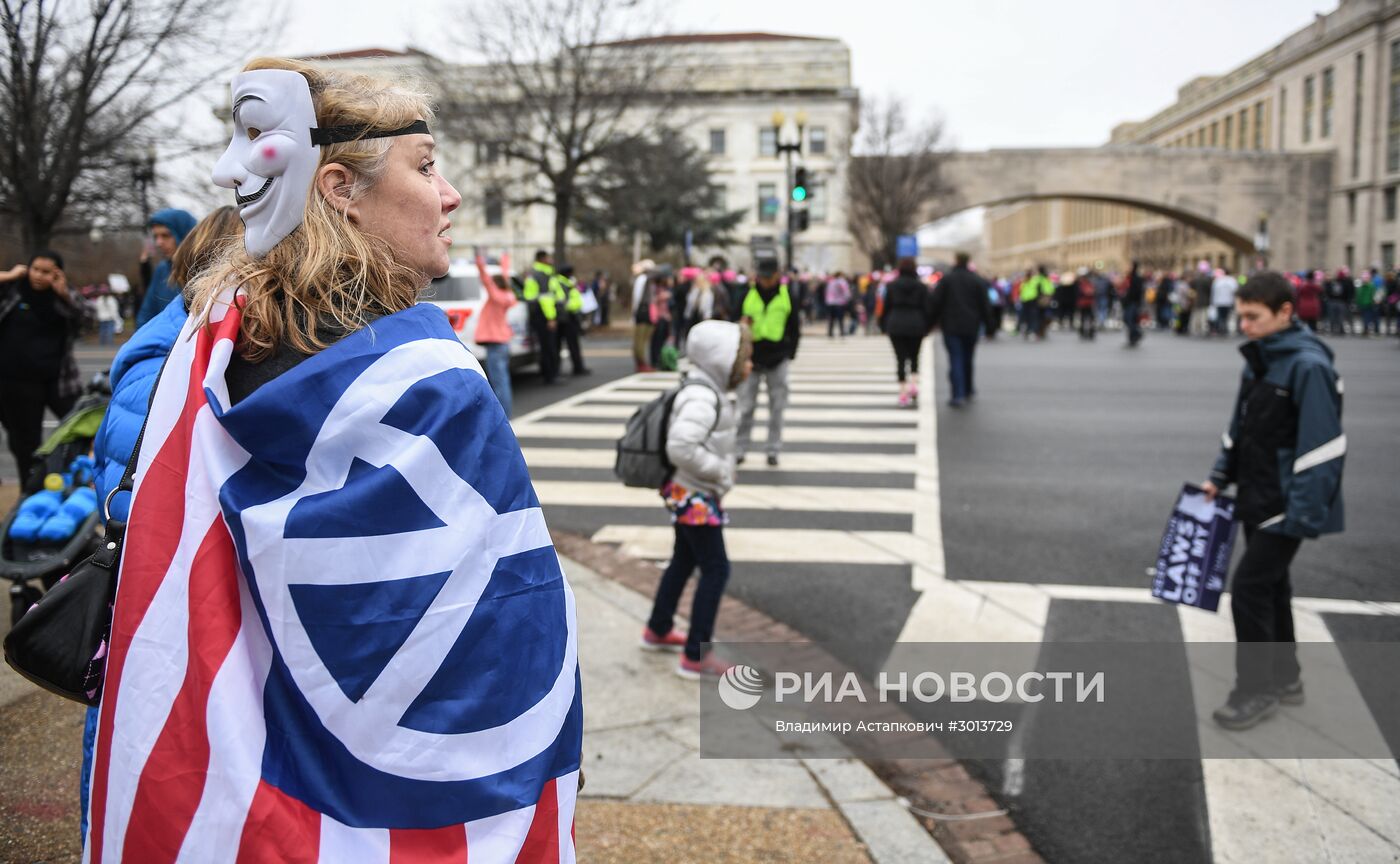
{"x": 87, "y": 89}
{"x": 893, "y": 174}
{"x": 560, "y": 84}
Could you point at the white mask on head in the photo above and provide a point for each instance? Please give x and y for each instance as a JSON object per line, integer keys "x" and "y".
{"x": 271, "y": 161}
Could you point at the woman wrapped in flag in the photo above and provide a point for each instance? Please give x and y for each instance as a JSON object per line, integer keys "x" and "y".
{"x": 341, "y": 632}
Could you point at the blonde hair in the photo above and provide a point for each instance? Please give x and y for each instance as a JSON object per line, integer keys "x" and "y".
{"x": 327, "y": 270}
{"x": 205, "y": 244}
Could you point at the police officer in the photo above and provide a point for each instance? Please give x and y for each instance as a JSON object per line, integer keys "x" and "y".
{"x": 539, "y": 293}
{"x": 567, "y": 293}
{"x": 768, "y": 308}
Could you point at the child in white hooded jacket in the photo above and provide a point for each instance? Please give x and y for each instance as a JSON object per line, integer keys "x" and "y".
{"x": 700, "y": 442}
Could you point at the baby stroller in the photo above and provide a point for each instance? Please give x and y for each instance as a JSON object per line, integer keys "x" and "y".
{"x": 56, "y": 521}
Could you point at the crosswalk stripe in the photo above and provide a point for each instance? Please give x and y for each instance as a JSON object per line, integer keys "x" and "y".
{"x": 757, "y": 545}
{"x": 866, "y": 416}
{"x": 795, "y": 434}
{"x": 753, "y": 497}
{"x": 563, "y": 457}
{"x": 854, "y": 388}
{"x": 636, "y": 398}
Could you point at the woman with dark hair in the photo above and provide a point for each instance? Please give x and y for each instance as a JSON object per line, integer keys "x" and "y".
{"x": 39, "y": 319}
{"x": 905, "y": 319}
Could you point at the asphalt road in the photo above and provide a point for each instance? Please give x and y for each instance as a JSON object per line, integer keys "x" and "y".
{"x": 1064, "y": 471}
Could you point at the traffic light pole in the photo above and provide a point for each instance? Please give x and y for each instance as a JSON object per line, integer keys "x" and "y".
{"x": 787, "y": 150}
{"x": 787, "y": 235}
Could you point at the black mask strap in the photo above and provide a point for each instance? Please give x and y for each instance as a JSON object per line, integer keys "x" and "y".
{"x": 341, "y": 134}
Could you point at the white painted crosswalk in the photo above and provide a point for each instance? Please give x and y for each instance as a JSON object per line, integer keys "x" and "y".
{"x": 844, "y": 431}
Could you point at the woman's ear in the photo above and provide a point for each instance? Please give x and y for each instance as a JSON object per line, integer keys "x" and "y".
{"x": 334, "y": 181}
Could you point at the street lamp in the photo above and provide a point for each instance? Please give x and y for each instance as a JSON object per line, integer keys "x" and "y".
{"x": 143, "y": 174}
{"x": 779, "y": 119}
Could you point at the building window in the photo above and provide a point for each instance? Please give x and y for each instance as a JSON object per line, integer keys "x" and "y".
{"x": 1282, "y": 116}
{"x": 816, "y": 202}
{"x": 1388, "y": 204}
{"x": 1356, "y": 117}
{"x": 1351, "y": 208}
{"x": 1327, "y": 94}
{"x": 1215, "y": 134}
{"x": 1244, "y": 121}
{"x": 1392, "y": 134}
{"x": 767, "y": 141}
{"x": 1229, "y": 130}
{"x": 1350, "y": 256}
{"x": 1387, "y": 257}
{"x": 495, "y": 208}
{"x": 1259, "y": 125}
{"x": 768, "y": 203}
{"x": 1309, "y": 104}
{"x": 816, "y": 140}
{"x": 716, "y": 142}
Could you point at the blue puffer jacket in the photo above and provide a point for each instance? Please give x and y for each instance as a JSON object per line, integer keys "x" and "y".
{"x": 134, "y": 373}
{"x": 1285, "y": 446}
{"x": 160, "y": 292}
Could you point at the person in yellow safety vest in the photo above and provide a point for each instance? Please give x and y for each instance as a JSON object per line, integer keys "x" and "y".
{"x": 567, "y": 295}
{"x": 539, "y": 295}
{"x": 768, "y": 311}
{"x": 1033, "y": 290}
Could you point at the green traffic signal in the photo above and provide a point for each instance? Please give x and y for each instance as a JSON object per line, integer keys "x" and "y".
{"x": 799, "y": 193}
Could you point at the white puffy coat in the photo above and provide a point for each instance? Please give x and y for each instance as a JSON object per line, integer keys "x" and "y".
{"x": 701, "y": 436}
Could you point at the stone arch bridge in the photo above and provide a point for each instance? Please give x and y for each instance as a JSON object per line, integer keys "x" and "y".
{"x": 1225, "y": 194}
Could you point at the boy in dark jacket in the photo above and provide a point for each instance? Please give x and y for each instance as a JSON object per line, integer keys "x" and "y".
{"x": 1285, "y": 450}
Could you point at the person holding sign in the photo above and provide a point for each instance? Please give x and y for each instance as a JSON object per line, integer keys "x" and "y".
{"x": 1284, "y": 448}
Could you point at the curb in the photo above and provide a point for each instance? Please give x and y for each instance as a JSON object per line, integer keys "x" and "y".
{"x": 956, "y": 818}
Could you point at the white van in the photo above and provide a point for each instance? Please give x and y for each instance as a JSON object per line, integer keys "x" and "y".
{"x": 461, "y": 295}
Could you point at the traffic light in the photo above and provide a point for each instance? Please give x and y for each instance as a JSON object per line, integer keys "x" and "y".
{"x": 801, "y": 220}
{"x": 799, "y": 184}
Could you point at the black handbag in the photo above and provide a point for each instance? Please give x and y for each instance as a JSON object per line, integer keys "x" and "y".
{"x": 61, "y": 642}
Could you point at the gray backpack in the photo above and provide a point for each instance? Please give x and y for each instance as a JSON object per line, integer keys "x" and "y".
{"x": 641, "y": 451}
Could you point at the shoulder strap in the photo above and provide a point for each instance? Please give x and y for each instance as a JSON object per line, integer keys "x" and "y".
{"x": 111, "y": 549}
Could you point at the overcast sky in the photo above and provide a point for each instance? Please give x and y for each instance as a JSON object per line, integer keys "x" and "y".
{"x": 1002, "y": 73}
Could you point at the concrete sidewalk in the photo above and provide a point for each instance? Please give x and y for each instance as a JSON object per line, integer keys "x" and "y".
{"x": 649, "y": 796}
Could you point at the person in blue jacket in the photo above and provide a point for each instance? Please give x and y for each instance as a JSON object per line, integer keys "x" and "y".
{"x": 1285, "y": 449}
{"x": 168, "y": 229}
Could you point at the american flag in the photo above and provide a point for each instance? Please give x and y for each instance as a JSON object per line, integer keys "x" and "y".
{"x": 341, "y": 631}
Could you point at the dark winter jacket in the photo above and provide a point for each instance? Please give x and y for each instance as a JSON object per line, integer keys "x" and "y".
{"x": 1284, "y": 447}
{"x": 906, "y": 308}
{"x": 959, "y": 304}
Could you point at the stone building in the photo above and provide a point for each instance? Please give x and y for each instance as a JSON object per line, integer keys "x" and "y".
{"x": 733, "y": 85}
{"x": 1332, "y": 86}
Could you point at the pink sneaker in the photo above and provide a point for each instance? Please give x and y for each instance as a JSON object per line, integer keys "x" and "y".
{"x": 708, "y": 666}
{"x": 913, "y": 395}
{"x": 904, "y": 401}
{"x": 673, "y": 641}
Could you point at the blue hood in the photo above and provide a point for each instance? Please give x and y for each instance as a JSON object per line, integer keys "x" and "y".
{"x": 180, "y": 222}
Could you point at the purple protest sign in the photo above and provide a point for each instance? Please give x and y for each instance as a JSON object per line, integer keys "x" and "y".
{"x": 1194, "y": 557}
